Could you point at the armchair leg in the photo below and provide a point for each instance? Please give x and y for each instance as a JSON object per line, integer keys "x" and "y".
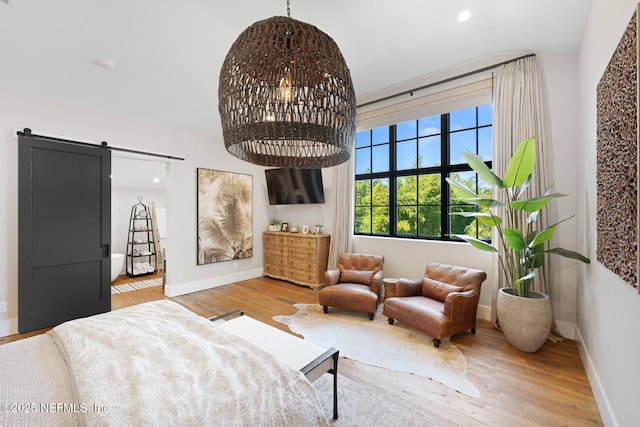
{"x": 473, "y": 330}
{"x": 371, "y": 316}
{"x": 325, "y": 308}
{"x": 436, "y": 342}
{"x": 390, "y": 320}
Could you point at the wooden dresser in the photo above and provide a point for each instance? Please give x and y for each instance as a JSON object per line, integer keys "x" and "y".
{"x": 296, "y": 257}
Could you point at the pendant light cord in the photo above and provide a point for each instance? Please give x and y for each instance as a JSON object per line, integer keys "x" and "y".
{"x": 288, "y": 9}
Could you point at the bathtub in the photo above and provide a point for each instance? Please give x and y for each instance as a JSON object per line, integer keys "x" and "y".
{"x": 117, "y": 262}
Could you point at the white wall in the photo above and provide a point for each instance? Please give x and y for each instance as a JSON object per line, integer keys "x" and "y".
{"x": 609, "y": 309}
{"x": 559, "y": 79}
{"x": 312, "y": 214}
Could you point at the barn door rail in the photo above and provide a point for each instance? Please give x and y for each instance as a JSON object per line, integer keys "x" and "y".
{"x": 27, "y": 132}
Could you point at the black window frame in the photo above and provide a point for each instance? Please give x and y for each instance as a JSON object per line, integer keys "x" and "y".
{"x": 445, "y": 169}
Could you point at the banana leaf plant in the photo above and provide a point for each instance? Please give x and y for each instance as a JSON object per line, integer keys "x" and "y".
{"x": 523, "y": 245}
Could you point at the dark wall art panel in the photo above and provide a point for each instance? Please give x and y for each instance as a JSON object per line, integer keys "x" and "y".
{"x": 225, "y": 216}
{"x": 617, "y": 160}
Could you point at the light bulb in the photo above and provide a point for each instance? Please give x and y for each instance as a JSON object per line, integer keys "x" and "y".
{"x": 286, "y": 87}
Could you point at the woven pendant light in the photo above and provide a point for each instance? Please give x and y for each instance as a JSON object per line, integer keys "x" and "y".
{"x": 285, "y": 96}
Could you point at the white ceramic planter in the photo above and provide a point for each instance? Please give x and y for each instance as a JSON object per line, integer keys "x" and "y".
{"x": 526, "y": 322}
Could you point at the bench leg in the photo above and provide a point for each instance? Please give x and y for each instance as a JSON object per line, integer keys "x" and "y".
{"x": 335, "y": 386}
{"x": 436, "y": 342}
{"x": 325, "y": 308}
{"x": 371, "y": 316}
{"x": 320, "y": 363}
{"x": 390, "y": 320}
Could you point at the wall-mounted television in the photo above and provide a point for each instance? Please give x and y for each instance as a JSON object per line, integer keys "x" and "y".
{"x": 294, "y": 186}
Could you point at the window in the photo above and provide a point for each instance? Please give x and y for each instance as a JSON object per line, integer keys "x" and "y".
{"x": 400, "y": 173}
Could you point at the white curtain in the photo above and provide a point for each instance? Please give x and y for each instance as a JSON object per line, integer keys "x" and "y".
{"x": 517, "y": 115}
{"x": 342, "y": 202}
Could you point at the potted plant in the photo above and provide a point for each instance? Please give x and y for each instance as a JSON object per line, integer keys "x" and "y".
{"x": 274, "y": 225}
{"x": 522, "y": 244}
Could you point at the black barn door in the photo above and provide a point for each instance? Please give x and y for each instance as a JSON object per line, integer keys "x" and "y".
{"x": 64, "y": 231}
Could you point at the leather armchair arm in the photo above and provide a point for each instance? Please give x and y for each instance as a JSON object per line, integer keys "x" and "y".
{"x": 408, "y": 287}
{"x": 458, "y": 305}
{"x": 331, "y": 277}
{"x": 376, "y": 282}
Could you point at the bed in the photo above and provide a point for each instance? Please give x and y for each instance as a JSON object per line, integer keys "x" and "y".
{"x": 158, "y": 363}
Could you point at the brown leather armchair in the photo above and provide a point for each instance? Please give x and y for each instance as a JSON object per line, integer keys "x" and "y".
{"x": 354, "y": 285}
{"x": 442, "y": 303}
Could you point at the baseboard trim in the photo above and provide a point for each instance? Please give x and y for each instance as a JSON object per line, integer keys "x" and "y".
{"x": 212, "y": 282}
{"x": 566, "y": 329}
{"x": 606, "y": 412}
{"x": 8, "y": 327}
{"x": 484, "y": 312}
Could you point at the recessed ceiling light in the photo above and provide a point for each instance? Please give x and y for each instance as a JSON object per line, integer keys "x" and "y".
{"x": 464, "y": 15}
{"x": 156, "y": 179}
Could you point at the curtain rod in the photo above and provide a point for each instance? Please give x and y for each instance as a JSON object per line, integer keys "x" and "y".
{"x": 447, "y": 80}
{"x": 27, "y": 132}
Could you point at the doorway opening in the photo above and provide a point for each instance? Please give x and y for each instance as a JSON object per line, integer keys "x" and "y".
{"x": 137, "y": 179}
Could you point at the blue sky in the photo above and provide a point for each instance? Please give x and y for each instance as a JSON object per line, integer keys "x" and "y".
{"x": 425, "y": 133}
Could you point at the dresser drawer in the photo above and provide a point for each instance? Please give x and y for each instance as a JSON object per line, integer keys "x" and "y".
{"x": 271, "y": 258}
{"x": 275, "y": 240}
{"x": 303, "y": 243}
{"x": 279, "y": 251}
{"x": 296, "y": 264}
{"x": 281, "y": 271}
{"x": 303, "y": 254}
{"x": 303, "y": 276}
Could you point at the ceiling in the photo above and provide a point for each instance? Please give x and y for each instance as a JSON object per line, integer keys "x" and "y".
{"x": 167, "y": 55}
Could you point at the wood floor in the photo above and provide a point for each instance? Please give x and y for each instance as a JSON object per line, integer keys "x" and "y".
{"x": 549, "y": 387}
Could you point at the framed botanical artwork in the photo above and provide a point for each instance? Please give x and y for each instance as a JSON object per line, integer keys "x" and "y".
{"x": 225, "y": 216}
{"x": 305, "y": 229}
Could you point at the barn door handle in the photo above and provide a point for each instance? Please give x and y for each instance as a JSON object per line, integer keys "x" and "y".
{"x": 106, "y": 250}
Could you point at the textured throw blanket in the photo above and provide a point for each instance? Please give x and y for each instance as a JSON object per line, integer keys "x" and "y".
{"x": 34, "y": 383}
{"x": 160, "y": 364}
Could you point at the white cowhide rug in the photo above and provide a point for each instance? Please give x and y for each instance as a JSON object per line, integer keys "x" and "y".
{"x": 379, "y": 344}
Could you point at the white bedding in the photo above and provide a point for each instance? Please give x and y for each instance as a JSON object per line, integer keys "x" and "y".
{"x": 160, "y": 364}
